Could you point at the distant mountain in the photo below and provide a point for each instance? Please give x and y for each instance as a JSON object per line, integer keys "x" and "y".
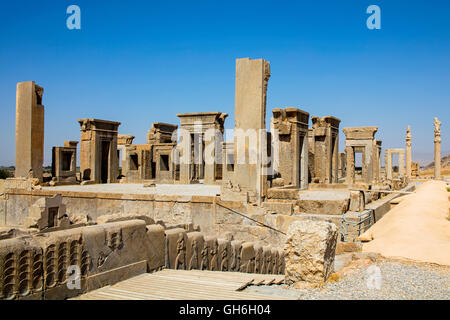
{"x": 445, "y": 163}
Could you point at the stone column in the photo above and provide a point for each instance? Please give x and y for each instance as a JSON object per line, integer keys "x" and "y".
{"x": 304, "y": 162}
{"x": 366, "y": 165}
{"x": 252, "y": 77}
{"x": 388, "y": 165}
{"x": 437, "y": 149}
{"x": 335, "y": 160}
{"x": 401, "y": 164}
{"x": 185, "y": 147}
{"x": 376, "y": 165}
{"x": 350, "y": 165}
{"x": 29, "y": 130}
{"x": 408, "y": 152}
{"x": 210, "y": 164}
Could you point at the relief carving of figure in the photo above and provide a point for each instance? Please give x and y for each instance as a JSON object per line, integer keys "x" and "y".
{"x": 166, "y": 253}
{"x": 213, "y": 263}
{"x": 269, "y": 264}
{"x": 257, "y": 261}
{"x": 193, "y": 264}
{"x": 181, "y": 249}
{"x": 250, "y": 266}
{"x": 235, "y": 262}
{"x": 280, "y": 264}
{"x": 275, "y": 265}
{"x": 204, "y": 254}
{"x": 224, "y": 257}
{"x": 233, "y": 259}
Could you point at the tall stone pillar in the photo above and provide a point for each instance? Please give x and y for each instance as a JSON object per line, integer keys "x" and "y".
{"x": 350, "y": 165}
{"x": 437, "y": 149}
{"x": 377, "y": 160}
{"x": 29, "y": 130}
{"x": 408, "y": 152}
{"x": 252, "y": 77}
{"x": 335, "y": 159}
{"x": 388, "y": 164}
{"x": 401, "y": 163}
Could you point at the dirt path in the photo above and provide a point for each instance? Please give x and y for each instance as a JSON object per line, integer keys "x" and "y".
{"x": 417, "y": 228}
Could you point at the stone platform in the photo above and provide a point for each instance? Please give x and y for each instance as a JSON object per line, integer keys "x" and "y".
{"x": 138, "y": 188}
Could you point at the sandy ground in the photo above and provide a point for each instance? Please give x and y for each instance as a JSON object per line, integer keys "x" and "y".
{"x": 2, "y": 185}
{"x": 131, "y": 188}
{"x": 417, "y": 228}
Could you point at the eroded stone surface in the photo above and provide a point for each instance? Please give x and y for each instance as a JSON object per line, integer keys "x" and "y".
{"x": 309, "y": 251}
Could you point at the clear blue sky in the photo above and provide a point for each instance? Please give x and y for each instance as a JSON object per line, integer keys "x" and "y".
{"x": 138, "y": 62}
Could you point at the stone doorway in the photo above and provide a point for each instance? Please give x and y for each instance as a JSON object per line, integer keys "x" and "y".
{"x": 104, "y": 161}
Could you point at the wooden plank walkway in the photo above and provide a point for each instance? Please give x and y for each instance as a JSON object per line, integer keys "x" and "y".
{"x": 185, "y": 285}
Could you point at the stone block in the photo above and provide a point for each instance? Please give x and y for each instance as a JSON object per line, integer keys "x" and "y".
{"x": 155, "y": 246}
{"x": 175, "y": 256}
{"x": 275, "y": 261}
{"x": 309, "y": 251}
{"x": 194, "y": 246}
{"x": 345, "y": 247}
{"x": 236, "y": 247}
{"x": 124, "y": 217}
{"x": 259, "y": 258}
{"x": 281, "y": 261}
{"x": 63, "y": 250}
{"x": 112, "y": 276}
{"x": 224, "y": 258}
{"x": 267, "y": 267}
{"x": 247, "y": 259}
{"x": 286, "y": 208}
{"x": 357, "y": 201}
{"x": 212, "y": 246}
{"x": 20, "y": 269}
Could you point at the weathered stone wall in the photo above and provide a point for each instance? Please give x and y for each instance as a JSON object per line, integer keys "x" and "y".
{"x": 212, "y": 216}
{"x": 40, "y": 266}
{"x": 193, "y": 250}
{"x": 200, "y": 210}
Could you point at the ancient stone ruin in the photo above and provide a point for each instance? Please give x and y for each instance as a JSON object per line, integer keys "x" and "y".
{"x": 272, "y": 200}
{"x": 98, "y": 151}
{"x": 29, "y": 130}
